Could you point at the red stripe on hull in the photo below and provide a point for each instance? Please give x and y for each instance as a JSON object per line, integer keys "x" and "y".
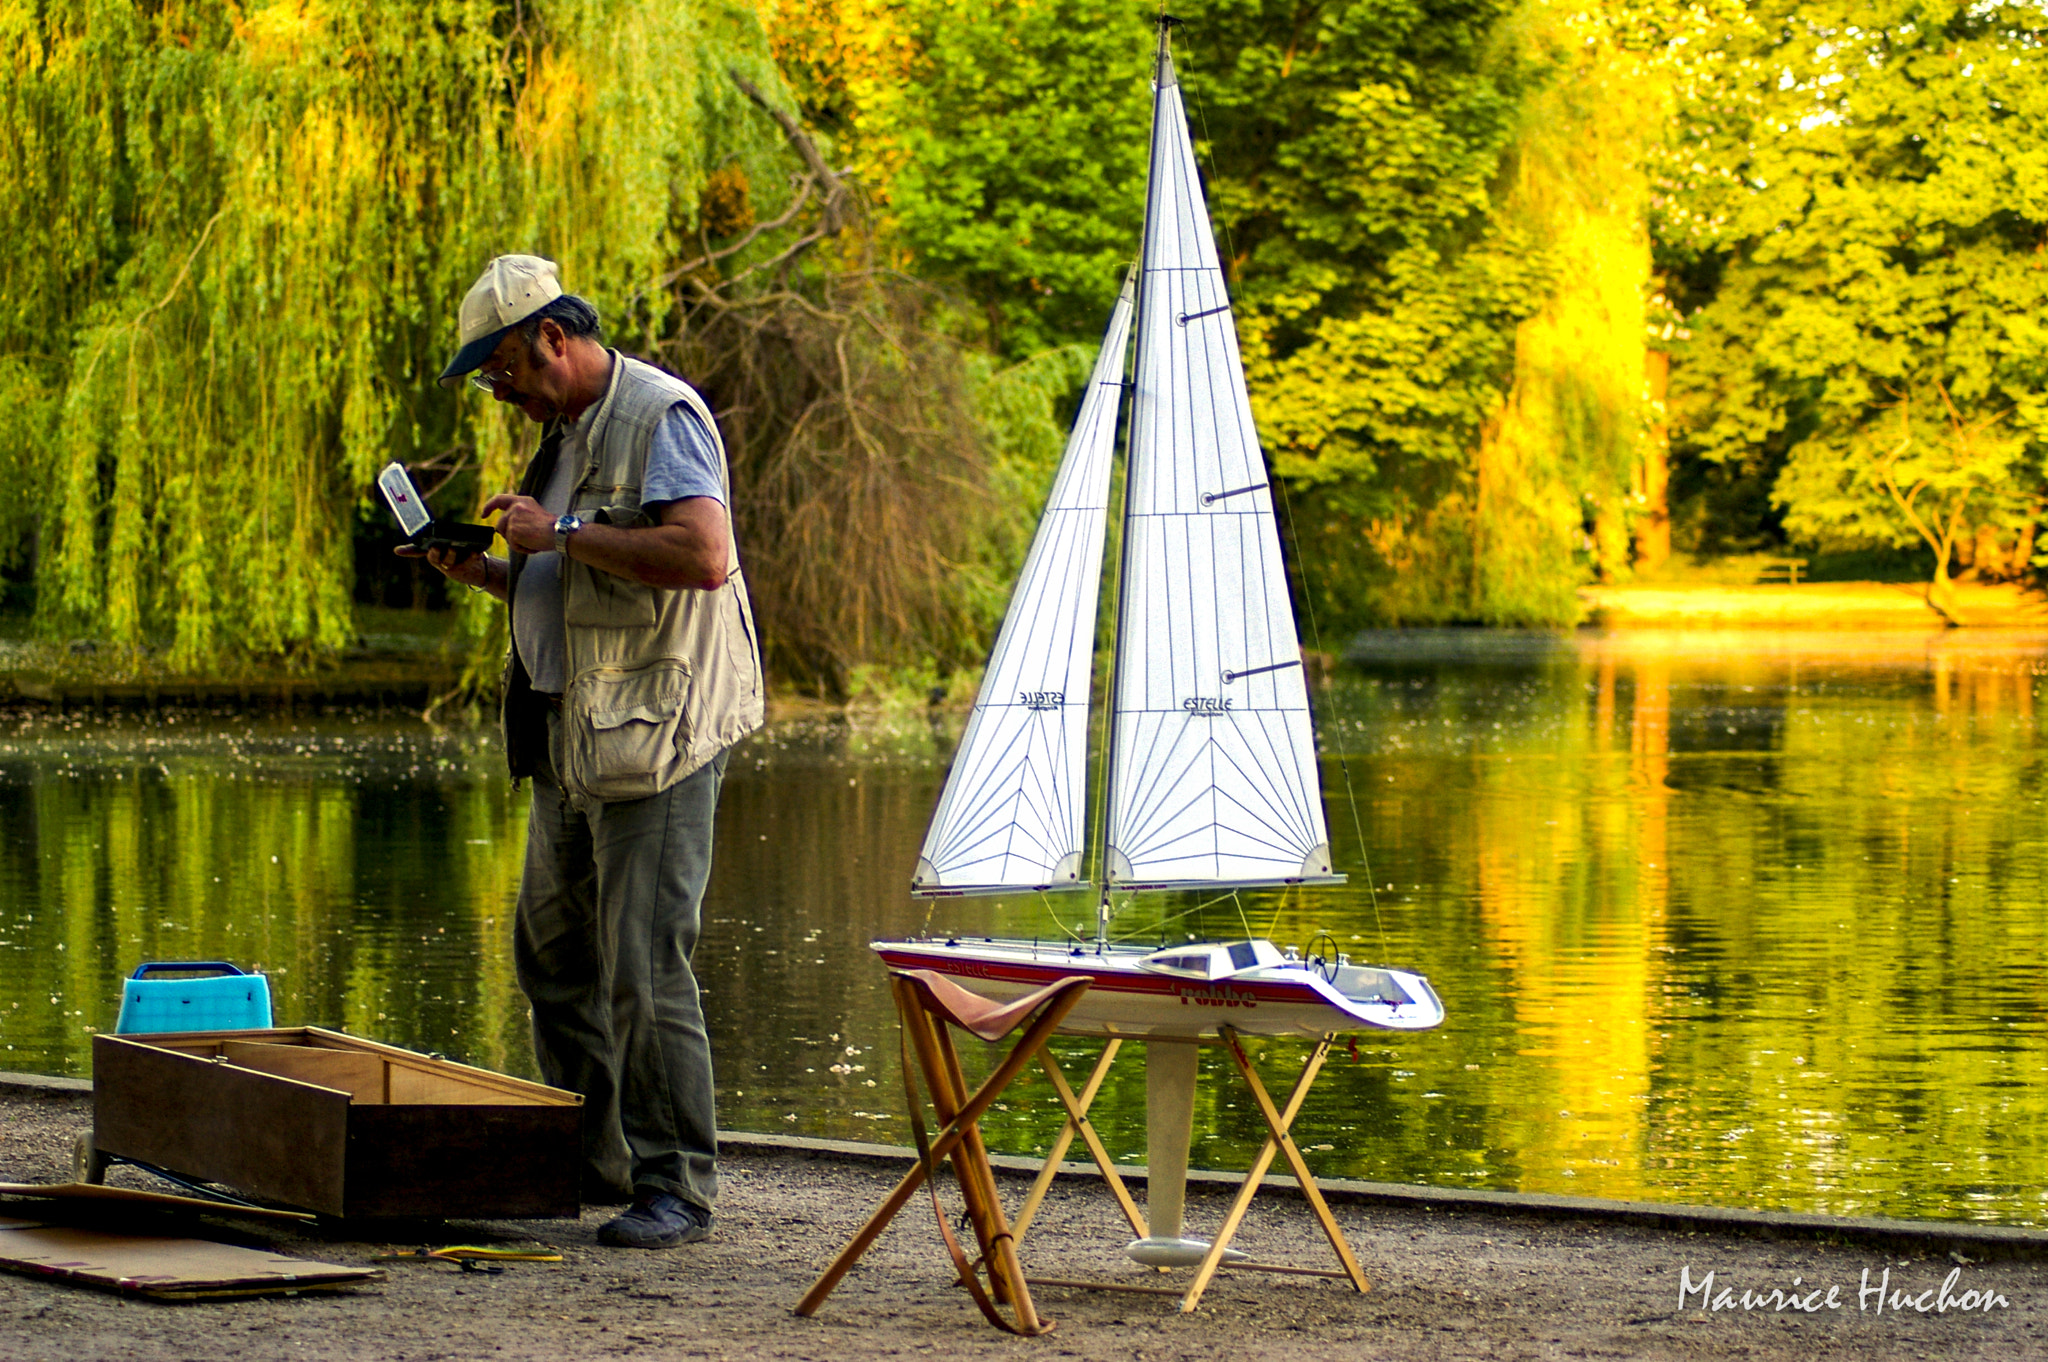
{"x": 1106, "y": 980}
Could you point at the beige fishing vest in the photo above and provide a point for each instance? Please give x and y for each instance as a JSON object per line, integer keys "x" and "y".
{"x": 659, "y": 681}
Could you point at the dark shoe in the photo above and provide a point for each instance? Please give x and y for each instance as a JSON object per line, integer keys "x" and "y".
{"x": 657, "y": 1221}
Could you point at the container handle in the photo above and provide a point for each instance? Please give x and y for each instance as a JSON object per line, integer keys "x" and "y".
{"x": 147, "y": 968}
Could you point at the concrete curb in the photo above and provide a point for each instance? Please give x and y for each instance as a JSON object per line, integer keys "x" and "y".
{"x": 1926, "y": 1237}
{"x": 44, "y": 1085}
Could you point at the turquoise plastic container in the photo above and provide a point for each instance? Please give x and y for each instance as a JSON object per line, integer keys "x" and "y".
{"x": 216, "y": 996}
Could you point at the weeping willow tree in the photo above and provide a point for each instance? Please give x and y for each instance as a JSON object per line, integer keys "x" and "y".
{"x": 1558, "y": 479}
{"x": 247, "y": 231}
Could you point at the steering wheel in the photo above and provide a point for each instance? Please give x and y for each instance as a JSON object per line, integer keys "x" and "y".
{"x": 1323, "y": 964}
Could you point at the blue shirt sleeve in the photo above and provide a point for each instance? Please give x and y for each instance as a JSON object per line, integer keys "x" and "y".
{"x": 682, "y": 461}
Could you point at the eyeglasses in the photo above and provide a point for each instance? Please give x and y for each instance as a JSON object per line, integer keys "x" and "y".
{"x": 490, "y": 380}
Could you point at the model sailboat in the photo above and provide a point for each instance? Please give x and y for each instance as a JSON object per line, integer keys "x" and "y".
{"x": 1212, "y": 778}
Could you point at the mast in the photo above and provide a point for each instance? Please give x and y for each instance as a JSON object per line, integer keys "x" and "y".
{"x": 1162, "y": 76}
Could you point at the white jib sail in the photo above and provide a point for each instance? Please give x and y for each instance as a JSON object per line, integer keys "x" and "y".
{"x": 1213, "y": 774}
{"x": 1013, "y": 812}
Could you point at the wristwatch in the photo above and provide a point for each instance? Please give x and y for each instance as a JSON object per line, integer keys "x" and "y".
{"x": 566, "y": 525}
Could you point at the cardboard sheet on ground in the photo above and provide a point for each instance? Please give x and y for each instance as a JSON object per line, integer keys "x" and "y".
{"x": 86, "y": 1192}
{"x": 167, "y": 1269}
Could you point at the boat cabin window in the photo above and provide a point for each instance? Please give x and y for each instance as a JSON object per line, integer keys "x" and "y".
{"x": 1197, "y": 964}
{"x": 1243, "y": 955}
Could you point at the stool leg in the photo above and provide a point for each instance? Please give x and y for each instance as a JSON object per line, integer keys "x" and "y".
{"x": 1077, "y": 1118}
{"x": 1278, "y": 1122}
{"x": 1242, "y": 1203}
{"x": 860, "y": 1242}
{"x": 1005, "y": 1271}
{"x": 907, "y": 1016}
{"x": 970, "y": 1162}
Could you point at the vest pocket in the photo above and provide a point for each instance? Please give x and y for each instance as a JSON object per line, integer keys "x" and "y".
{"x": 599, "y": 600}
{"x": 625, "y": 733}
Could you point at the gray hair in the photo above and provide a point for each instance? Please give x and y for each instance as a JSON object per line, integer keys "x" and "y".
{"x": 576, "y": 316}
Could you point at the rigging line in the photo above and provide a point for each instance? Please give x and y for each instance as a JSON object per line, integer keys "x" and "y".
{"x": 1185, "y": 912}
{"x": 1242, "y": 920}
{"x": 1308, "y": 604}
{"x": 1049, "y": 912}
{"x": 1280, "y": 906}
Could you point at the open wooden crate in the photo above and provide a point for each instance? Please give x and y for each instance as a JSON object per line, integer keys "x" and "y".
{"x": 337, "y": 1125}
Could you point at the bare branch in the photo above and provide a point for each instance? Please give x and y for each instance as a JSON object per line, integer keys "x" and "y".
{"x": 837, "y": 196}
{"x": 711, "y": 257}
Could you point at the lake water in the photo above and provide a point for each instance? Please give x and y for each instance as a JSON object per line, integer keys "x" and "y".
{"x": 1738, "y": 918}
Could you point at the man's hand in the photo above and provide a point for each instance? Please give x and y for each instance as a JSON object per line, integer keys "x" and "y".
{"x": 471, "y": 569}
{"x": 526, "y": 524}
{"x": 686, "y": 547}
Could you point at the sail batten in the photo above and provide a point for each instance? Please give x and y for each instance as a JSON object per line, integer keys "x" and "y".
{"x": 1012, "y": 815}
{"x": 1213, "y": 777}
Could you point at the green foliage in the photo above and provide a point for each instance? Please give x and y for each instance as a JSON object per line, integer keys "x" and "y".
{"x": 1863, "y": 198}
{"x": 253, "y": 227}
{"x": 1356, "y": 152}
{"x": 1394, "y": 201}
{"x": 1021, "y": 137}
{"x": 249, "y": 225}
{"x": 1361, "y": 162}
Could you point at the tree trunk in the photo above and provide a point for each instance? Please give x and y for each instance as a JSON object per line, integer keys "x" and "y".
{"x": 1653, "y": 470}
{"x": 1941, "y": 592}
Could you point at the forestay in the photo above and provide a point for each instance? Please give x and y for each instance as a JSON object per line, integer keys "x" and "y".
{"x": 1212, "y": 759}
{"x": 1013, "y": 812}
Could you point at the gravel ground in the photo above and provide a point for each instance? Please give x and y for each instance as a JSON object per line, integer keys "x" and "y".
{"x": 1450, "y": 1284}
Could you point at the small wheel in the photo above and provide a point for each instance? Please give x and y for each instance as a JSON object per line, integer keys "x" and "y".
{"x": 88, "y": 1165}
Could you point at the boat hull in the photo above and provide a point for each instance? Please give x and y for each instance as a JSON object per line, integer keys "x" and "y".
{"x": 1126, "y": 999}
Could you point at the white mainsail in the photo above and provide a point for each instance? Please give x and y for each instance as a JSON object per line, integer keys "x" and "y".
{"x": 1014, "y": 808}
{"x": 1213, "y": 774}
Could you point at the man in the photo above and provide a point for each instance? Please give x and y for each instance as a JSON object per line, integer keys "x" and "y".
{"x": 633, "y": 669}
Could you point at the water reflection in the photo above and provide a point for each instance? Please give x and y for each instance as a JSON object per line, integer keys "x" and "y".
{"x": 1739, "y": 918}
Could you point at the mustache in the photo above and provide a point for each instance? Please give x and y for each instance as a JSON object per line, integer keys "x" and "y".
{"x": 519, "y": 397}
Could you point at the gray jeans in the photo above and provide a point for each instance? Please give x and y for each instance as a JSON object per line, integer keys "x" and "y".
{"x": 606, "y": 925}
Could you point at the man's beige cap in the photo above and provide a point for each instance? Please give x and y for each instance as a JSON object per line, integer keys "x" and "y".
{"x": 512, "y": 288}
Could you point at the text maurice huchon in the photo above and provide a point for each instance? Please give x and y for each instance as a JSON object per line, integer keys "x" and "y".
{"x": 1872, "y": 1297}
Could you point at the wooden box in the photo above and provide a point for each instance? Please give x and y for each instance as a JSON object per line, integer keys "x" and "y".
{"x": 340, "y": 1126}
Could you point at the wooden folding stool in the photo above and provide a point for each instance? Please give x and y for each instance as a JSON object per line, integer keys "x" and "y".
{"x": 927, "y": 1003}
{"x": 1166, "y": 1185}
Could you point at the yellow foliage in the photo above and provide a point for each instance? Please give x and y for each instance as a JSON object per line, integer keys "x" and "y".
{"x": 1557, "y": 466}
{"x": 852, "y": 60}
{"x": 277, "y": 32}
